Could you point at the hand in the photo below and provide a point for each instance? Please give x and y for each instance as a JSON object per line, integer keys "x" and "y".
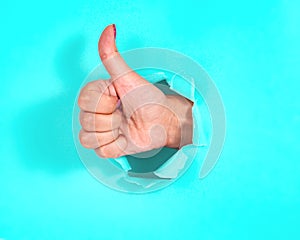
{"x": 126, "y": 114}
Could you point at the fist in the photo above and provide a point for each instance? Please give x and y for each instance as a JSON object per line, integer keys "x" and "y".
{"x": 126, "y": 114}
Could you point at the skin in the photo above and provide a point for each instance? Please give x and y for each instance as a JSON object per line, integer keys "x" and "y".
{"x": 126, "y": 114}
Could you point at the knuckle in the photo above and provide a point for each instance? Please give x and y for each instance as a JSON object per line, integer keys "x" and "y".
{"x": 100, "y": 153}
{"x": 105, "y": 153}
{"x": 85, "y": 95}
{"x": 81, "y": 102}
{"x": 83, "y": 139}
{"x": 86, "y": 121}
{"x": 110, "y": 153}
{"x": 96, "y": 85}
{"x": 83, "y": 99}
{"x": 89, "y": 85}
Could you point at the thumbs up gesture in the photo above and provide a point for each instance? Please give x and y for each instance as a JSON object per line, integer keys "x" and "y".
{"x": 126, "y": 114}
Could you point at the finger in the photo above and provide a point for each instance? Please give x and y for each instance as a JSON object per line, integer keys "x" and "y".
{"x": 92, "y": 122}
{"x": 123, "y": 77}
{"x": 114, "y": 149}
{"x": 112, "y": 90}
{"x": 96, "y": 97}
{"x": 97, "y": 139}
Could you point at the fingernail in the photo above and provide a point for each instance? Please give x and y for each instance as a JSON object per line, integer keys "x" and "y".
{"x": 115, "y": 30}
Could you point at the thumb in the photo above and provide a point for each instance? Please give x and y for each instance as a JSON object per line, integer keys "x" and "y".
{"x": 123, "y": 77}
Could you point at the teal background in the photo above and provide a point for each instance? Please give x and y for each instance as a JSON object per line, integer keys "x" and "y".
{"x": 251, "y": 50}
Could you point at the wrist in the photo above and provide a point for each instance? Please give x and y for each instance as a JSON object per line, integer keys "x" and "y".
{"x": 180, "y": 124}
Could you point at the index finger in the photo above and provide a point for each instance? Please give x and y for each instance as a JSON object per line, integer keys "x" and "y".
{"x": 96, "y": 97}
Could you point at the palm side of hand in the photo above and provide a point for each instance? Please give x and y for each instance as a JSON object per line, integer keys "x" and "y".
{"x": 146, "y": 117}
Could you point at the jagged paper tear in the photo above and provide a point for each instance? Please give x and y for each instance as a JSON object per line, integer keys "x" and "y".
{"x": 201, "y": 133}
